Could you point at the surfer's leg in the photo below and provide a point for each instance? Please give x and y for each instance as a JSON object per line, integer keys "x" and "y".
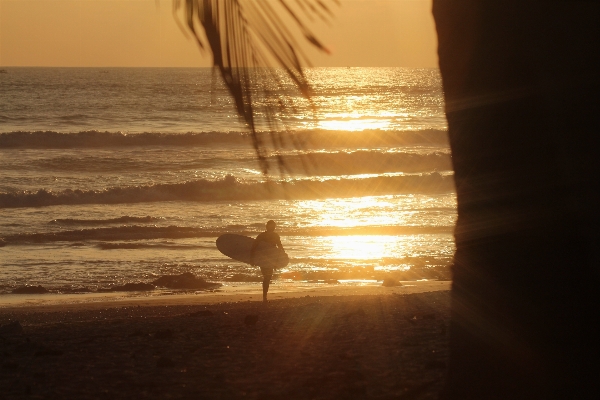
{"x": 267, "y": 274}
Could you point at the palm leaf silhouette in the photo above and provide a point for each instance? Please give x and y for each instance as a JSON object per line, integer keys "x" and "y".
{"x": 247, "y": 38}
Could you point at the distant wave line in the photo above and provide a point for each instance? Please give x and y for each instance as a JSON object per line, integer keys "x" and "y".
{"x": 307, "y": 162}
{"x": 151, "y": 246}
{"x": 121, "y": 220}
{"x": 307, "y": 139}
{"x": 365, "y": 162}
{"x": 229, "y": 188}
{"x": 124, "y": 220}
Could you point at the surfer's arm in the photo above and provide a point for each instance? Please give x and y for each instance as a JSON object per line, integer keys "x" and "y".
{"x": 279, "y": 244}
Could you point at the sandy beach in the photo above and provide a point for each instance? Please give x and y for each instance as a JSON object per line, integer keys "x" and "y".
{"x": 324, "y": 343}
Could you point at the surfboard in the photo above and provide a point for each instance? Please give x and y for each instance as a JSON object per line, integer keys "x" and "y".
{"x": 238, "y": 247}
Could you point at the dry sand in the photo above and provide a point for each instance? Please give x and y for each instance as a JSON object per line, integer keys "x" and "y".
{"x": 319, "y": 343}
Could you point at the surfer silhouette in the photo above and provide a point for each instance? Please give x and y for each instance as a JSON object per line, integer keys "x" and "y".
{"x": 270, "y": 237}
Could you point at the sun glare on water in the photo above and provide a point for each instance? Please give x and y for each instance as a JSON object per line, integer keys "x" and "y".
{"x": 351, "y": 216}
{"x": 362, "y": 247}
{"x": 353, "y": 212}
{"x": 354, "y": 124}
{"x": 380, "y": 231}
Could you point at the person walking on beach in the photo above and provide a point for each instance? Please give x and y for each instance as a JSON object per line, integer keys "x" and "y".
{"x": 273, "y": 238}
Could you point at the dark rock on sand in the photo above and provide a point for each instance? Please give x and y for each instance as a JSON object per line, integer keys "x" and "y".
{"x": 251, "y": 320}
{"x": 133, "y": 287}
{"x": 390, "y": 282}
{"x": 187, "y": 280}
{"x": 14, "y": 328}
{"x": 243, "y": 278}
{"x": 75, "y": 290}
{"x": 30, "y": 290}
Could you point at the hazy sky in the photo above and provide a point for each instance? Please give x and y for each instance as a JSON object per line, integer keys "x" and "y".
{"x": 137, "y": 33}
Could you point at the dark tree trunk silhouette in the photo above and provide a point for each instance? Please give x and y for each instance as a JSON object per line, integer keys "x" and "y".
{"x": 521, "y": 84}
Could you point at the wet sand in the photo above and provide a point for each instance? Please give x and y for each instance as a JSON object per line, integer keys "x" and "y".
{"x": 319, "y": 343}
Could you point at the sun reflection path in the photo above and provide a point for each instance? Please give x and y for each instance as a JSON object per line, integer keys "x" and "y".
{"x": 364, "y": 247}
{"x": 397, "y": 210}
{"x": 375, "y": 99}
{"x": 386, "y": 251}
{"x": 358, "y": 229}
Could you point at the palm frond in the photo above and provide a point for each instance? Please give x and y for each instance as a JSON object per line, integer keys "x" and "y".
{"x": 248, "y": 38}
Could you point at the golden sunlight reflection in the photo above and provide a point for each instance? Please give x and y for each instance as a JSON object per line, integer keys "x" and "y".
{"x": 383, "y": 232}
{"x": 354, "y": 124}
{"x": 349, "y": 212}
{"x": 376, "y": 211}
{"x": 364, "y": 247}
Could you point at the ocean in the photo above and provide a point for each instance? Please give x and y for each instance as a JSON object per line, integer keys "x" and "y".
{"x": 111, "y": 176}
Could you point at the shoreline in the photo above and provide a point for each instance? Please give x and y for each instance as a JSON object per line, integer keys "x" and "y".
{"x": 225, "y": 294}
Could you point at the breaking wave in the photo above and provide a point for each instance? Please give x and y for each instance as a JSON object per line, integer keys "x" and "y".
{"x": 121, "y": 220}
{"x": 304, "y": 162}
{"x": 229, "y": 188}
{"x": 301, "y": 139}
{"x": 151, "y": 246}
{"x": 365, "y": 162}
